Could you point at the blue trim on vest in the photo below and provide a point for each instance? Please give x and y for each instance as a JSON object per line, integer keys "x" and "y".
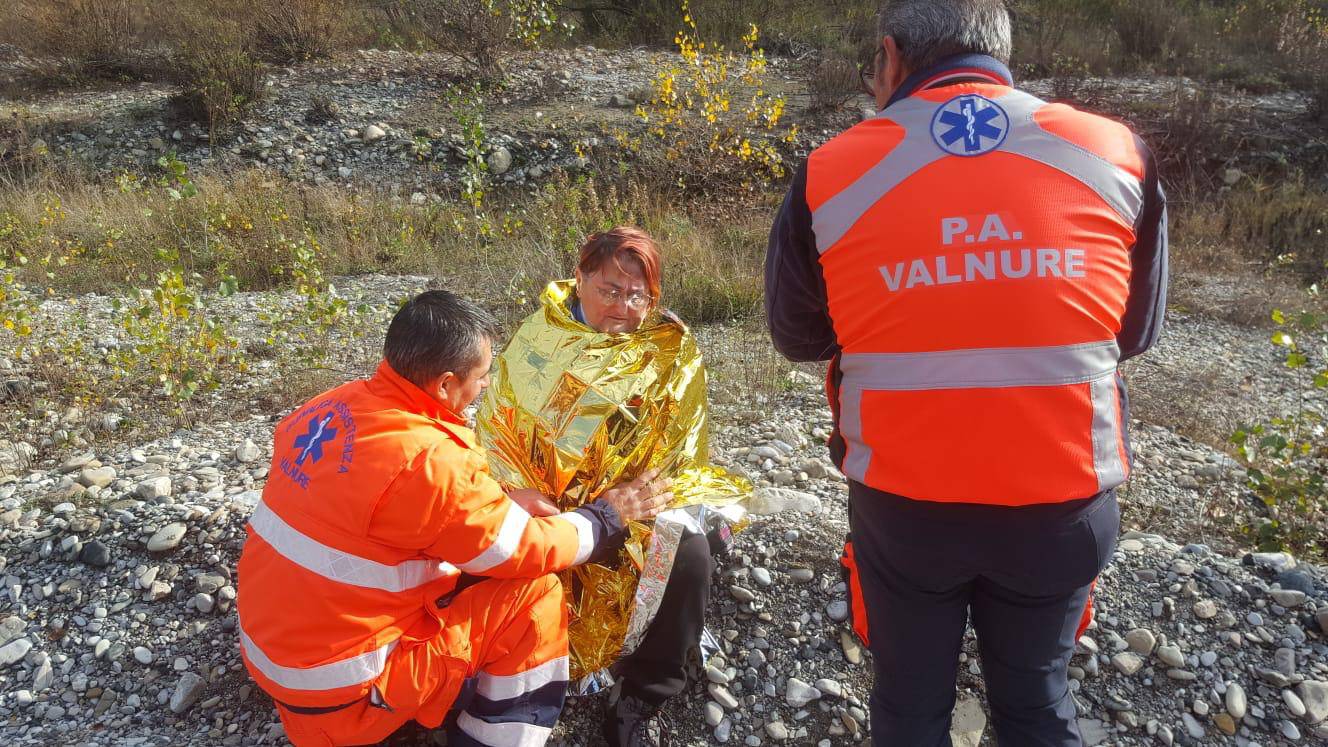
{"x": 914, "y": 81}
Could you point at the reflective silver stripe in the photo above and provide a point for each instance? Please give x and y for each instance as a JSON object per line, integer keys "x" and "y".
{"x": 980, "y": 368}
{"x": 1121, "y": 190}
{"x": 343, "y": 567}
{"x": 353, "y": 671}
{"x": 1107, "y": 433}
{"x": 858, "y": 455}
{"x": 837, "y": 215}
{"x": 508, "y": 686}
{"x": 510, "y": 734}
{"x": 504, "y": 545}
{"x": 985, "y": 368}
{"x": 585, "y": 535}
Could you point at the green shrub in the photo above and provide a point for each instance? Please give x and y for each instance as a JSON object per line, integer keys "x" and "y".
{"x": 1286, "y": 457}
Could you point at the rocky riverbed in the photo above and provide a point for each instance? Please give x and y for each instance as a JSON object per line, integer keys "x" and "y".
{"x": 118, "y": 565}
{"x": 118, "y": 542}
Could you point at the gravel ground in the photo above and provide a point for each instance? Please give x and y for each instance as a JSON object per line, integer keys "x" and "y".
{"x": 118, "y": 558}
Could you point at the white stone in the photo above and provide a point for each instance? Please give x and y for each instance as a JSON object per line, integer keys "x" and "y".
{"x": 186, "y": 692}
{"x": 247, "y": 452}
{"x": 14, "y": 651}
{"x": 96, "y": 476}
{"x": 167, "y": 538}
{"x": 1314, "y": 695}
{"x": 1141, "y": 641}
{"x": 499, "y": 161}
{"x": 798, "y": 693}
{"x": 373, "y": 133}
{"x": 142, "y": 655}
{"x": 1235, "y": 701}
{"x": 1289, "y": 598}
{"x": 967, "y": 723}
{"x": 154, "y": 488}
{"x": 1127, "y": 663}
{"x": 1171, "y": 656}
{"x": 722, "y": 696}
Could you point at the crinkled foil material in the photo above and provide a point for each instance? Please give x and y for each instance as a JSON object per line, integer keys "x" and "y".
{"x": 573, "y": 412}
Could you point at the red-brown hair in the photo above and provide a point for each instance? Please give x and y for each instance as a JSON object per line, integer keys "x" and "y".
{"x": 622, "y": 243}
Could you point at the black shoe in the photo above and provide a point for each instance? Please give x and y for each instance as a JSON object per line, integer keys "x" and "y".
{"x": 632, "y": 722}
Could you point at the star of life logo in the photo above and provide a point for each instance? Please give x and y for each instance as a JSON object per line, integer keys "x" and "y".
{"x": 321, "y": 429}
{"x": 969, "y": 125}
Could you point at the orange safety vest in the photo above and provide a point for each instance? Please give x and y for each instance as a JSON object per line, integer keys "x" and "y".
{"x": 975, "y": 243}
{"x": 377, "y": 500}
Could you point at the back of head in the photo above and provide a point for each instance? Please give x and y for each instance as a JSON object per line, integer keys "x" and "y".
{"x": 437, "y": 332}
{"x": 928, "y": 31}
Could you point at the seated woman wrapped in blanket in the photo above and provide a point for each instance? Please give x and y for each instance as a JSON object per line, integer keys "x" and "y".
{"x": 598, "y": 386}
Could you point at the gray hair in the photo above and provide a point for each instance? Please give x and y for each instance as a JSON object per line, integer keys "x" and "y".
{"x": 928, "y": 31}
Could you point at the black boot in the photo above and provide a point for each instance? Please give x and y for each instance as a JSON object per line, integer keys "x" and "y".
{"x": 632, "y": 722}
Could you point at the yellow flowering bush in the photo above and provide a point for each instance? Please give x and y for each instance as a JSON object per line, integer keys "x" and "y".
{"x": 713, "y": 115}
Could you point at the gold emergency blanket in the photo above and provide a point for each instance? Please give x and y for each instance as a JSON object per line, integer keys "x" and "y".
{"x": 573, "y": 412}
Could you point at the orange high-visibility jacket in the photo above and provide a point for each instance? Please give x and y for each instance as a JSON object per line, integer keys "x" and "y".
{"x": 975, "y": 244}
{"x": 378, "y": 500}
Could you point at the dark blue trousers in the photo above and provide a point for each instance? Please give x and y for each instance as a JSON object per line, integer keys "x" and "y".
{"x": 1021, "y": 575}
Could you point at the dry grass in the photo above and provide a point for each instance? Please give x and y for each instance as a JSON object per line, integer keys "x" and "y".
{"x": 242, "y": 225}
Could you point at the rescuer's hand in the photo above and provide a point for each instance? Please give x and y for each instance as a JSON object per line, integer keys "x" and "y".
{"x": 534, "y": 502}
{"x": 641, "y": 498}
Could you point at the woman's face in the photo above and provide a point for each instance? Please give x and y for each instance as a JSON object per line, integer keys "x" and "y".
{"x": 614, "y": 298}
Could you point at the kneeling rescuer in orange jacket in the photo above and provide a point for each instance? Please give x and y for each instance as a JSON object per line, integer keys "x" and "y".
{"x": 387, "y": 577}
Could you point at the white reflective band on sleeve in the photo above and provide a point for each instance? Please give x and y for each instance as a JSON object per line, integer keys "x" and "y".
{"x": 509, "y": 537}
{"x": 353, "y": 671}
{"x": 335, "y": 565}
{"x": 511, "y": 734}
{"x": 585, "y": 535}
{"x": 508, "y": 686}
{"x": 980, "y": 367}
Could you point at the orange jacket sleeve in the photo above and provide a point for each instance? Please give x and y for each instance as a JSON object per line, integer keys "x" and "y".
{"x": 446, "y": 505}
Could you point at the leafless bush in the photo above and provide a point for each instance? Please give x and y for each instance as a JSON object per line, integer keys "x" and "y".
{"x": 477, "y": 32}
{"x": 221, "y": 85}
{"x": 832, "y": 82}
{"x": 95, "y": 38}
{"x": 296, "y": 30}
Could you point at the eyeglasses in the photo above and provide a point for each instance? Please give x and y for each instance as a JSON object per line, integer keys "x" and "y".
{"x": 635, "y": 300}
{"x": 867, "y": 73}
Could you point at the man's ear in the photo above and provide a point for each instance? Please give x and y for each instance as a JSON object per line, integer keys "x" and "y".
{"x": 440, "y": 384}
{"x": 894, "y": 72}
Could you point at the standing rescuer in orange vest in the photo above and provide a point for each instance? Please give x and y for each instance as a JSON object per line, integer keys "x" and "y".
{"x": 975, "y": 263}
{"x": 387, "y": 577}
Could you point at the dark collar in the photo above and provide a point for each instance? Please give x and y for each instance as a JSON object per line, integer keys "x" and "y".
{"x": 960, "y": 67}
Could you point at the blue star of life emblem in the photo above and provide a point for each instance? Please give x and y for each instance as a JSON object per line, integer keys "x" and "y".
{"x": 311, "y": 443}
{"x": 969, "y": 125}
